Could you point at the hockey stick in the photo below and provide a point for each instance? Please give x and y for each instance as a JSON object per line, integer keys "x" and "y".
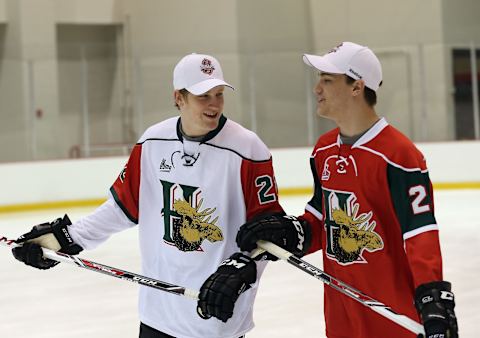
{"x": 114, "y": 272}
{"x": 110, "y": 271}
{"x": 369, "y": 302}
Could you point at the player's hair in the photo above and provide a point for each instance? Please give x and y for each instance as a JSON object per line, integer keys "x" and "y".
{"x": 184, "y": 93}
{"x": 369, "y": 94}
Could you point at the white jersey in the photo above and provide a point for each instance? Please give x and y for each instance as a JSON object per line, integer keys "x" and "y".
{"x": 189, "y": 200}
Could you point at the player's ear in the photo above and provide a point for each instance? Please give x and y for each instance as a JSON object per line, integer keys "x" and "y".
{"x": 358, "y": 87}
{"x": 179, "y": 98}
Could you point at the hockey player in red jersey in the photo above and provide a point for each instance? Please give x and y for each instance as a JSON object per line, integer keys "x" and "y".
{"x": 372, "y": 210}
{"x": 189, "y": 184}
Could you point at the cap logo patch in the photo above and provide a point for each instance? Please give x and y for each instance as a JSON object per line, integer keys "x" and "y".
{"x": 335, "y": 49}
{"x": 206, "y": 67}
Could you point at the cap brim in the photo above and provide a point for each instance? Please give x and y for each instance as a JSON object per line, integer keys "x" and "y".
{"x": 321, "y": 63}
{"x": 205, "y": 86}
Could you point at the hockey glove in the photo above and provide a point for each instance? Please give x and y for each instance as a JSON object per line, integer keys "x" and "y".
{"x": 221, "y": 290}
{"x": 435, "y": 303}
{"x": 289, "y": 232}
{"x": 53, "y": 236}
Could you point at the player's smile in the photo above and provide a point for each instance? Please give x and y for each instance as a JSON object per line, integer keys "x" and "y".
{"x": 211, "y": 115}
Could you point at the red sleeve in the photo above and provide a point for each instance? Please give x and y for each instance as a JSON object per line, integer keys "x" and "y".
{"x": 315, "y": 216}
{"x": 316, "y": 228}
{"x": 125, "y": 189}
{"x": 424, "y": 257}
{"x": 259, "y": 188}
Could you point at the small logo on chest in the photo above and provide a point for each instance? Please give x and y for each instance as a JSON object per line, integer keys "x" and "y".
{"x": 164, "y": 166}
{"x": 339, "y": 164}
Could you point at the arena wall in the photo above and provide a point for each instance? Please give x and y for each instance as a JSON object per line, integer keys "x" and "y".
{"x": 82, "y": 182}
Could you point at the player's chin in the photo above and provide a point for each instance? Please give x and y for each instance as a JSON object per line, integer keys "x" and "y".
{"x": 321, "y": 112}
{"x": 211, "y": 120}
{"x": 209, "y": 126}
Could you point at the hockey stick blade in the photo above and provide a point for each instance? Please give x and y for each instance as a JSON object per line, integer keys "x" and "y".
{"x": 347, "y": 290}
{"x": 110, "y": 271}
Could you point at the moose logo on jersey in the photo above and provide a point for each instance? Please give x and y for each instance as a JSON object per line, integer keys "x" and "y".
{"x": 186, "y": 224}
{"x": 349, "y": 234}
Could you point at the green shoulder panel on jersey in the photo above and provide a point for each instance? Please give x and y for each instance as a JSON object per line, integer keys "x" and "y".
{"x": 316, "y": 201}
{"x": 412, "y": 198}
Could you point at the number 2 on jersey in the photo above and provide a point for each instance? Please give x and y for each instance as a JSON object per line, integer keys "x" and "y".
{"x": 419, "y": 194}
{"x": 265, "y": 184}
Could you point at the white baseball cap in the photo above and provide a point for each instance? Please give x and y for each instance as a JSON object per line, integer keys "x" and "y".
{"x": 350, "y": 59}
{"x": 198, "y": 73}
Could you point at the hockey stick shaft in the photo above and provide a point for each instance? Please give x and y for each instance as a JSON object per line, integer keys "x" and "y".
{"x": 115, "y": 272}
{"x": 347, "y": 290}
{"x": 110, "y": 271}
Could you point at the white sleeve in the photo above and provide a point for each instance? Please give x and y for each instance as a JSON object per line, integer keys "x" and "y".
{"x": 94, "y": 229}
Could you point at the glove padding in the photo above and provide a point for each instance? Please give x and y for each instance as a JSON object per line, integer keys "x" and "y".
{"x": 53, "y": 236}
{"x": 221, "y": 290}
{"x": 435, "y": 304}
{"x": 288, "y": 232}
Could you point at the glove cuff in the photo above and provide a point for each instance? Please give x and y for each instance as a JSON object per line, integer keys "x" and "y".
{"x": 60, "y": 230}
{"x": 304, "y": 235}
{"x": 440, "y": 285}
{"x": 434, "y": 292}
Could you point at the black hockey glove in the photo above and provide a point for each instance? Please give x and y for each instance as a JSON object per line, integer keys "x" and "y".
{"x": 289, "y": 232}
{"x": 435, "y": 303}
{"x": 221, "y": 290}
{"x": 53, "y": 236}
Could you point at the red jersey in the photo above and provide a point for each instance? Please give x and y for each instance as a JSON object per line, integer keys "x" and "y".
{"x": 372, "y": 215}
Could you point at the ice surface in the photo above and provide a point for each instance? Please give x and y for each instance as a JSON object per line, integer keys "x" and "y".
{"x": 67, "y": 302}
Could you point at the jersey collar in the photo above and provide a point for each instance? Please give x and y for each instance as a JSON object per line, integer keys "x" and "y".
{"x": 369, "y": 135}
{"x": 210, "y": 134}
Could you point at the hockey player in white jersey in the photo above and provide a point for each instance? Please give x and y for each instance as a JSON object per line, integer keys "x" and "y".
{"x": 188, "y": 185}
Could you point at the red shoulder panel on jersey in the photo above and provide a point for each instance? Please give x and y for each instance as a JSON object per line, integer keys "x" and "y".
{"x": 126, "y": 188}
{"x": 259, "y": 188}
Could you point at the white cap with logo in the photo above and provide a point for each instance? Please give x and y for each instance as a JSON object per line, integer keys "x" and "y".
{"x": 198, "y": 73}
{"x": 351, "y": 59}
